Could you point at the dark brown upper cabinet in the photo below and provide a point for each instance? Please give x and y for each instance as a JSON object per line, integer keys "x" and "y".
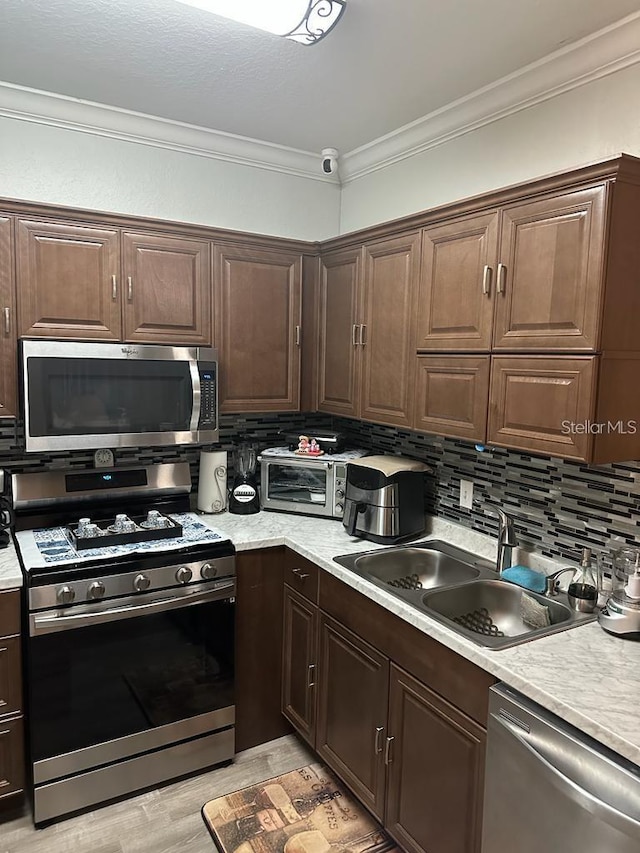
{"x": 524, "y": 277}
{"x": 367, "y": 323}
{"x": 68, "y": 279}
{"x": 257, "y": 295}
{"x": 8, "y": 366}
{"x": 452, "y": 393}
{"x": 167, "y": 289}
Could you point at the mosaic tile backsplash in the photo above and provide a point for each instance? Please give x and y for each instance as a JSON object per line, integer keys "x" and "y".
{"x": 559, "y": 507}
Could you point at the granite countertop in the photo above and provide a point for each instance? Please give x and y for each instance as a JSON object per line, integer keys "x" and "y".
{"x": 584, "y": 675}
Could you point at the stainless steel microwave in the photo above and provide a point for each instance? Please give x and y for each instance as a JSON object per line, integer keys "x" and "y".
{"x": 79, "y": 396}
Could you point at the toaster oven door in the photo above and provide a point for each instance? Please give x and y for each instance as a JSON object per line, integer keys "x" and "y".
{"x": 297, "y": 486}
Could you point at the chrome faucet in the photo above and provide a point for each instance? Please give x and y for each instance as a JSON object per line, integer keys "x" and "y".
{"x": 507, "y": 541}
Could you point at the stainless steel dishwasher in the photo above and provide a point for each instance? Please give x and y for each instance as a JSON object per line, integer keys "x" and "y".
{"x": 549, "y": 787}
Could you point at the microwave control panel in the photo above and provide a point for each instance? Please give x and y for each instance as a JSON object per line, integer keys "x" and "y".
{"x": 208, "y": 395}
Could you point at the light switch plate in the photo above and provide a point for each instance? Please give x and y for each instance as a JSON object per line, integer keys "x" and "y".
{"x": 466, "y": 494}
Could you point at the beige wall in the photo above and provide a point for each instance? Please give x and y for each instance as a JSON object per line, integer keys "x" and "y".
{"x": 65, "y": 167}
{"x": 593, "y": 122}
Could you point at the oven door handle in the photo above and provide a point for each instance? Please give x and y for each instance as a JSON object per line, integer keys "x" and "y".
{"x": 47, "y": 623}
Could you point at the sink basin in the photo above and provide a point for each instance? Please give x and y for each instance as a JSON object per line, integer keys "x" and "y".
{"x": 490, "y": 612}
{"x": 415, "y": 568}
{"x": 408, "y": 570}
{"x": 460, "y": 590}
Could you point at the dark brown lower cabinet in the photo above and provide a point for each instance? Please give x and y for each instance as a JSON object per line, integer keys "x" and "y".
{"x": 352, "y": 711}
{"x": 12, "y": 752}
{"x": 299, "y": 663}
{"x": 435, "y": 771}
{"x": 409, "y": 752}
{"x": 258, "y": 674}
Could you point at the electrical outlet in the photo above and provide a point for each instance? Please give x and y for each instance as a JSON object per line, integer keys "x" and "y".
{"x": 466, "y": 494}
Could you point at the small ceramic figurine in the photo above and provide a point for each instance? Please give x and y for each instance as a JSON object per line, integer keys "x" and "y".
{"x": 314, "y": 448}
{"x": 303, "y": 444}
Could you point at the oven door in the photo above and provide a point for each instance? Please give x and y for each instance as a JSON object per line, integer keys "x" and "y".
{"x": 115, "y": 679}
{"x": 298, "y": 486}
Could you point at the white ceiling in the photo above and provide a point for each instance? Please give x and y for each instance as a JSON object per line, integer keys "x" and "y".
{"x": 387, "y": 63}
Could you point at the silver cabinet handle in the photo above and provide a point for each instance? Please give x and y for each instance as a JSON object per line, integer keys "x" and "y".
{"x": 302, "y": 576}
{"x": 114, "y": 287}
{"x": 7, "y": 321}
{"x": 378, "y": 746}
{"x": 354, "y": 334}
{"x": 501, "y": 275}
{"x": 297, "y": 336}
{"x": 129, "y": 288}
{"x": 486, "y": 280}
{"x": 311, "y": 675}
{"x": 388, "y": 757}
{"x": 363, "y": 335}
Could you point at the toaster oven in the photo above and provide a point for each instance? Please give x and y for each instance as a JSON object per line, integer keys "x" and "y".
{"x": 309, "y": 485}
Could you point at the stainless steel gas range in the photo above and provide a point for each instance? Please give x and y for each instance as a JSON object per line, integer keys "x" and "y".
{"x": 130, "y": 645}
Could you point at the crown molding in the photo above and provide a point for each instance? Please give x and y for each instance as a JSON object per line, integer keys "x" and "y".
{"x": 34, "y": 105}
{"x": 602, "y": 53}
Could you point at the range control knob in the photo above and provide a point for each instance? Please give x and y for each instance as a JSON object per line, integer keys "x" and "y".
{"x": 184, "y": 574}
{"x": 141, "y": 582}
{"x": 340, "y": 493}
{"x": 65, "y": 595}
{"x": 96, "y": 590}
{"x": 339, "y": 508}
{"x": 208, "y": 571}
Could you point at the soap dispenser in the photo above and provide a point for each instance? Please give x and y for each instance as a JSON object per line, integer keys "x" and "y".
{"x": 583, "y": 589}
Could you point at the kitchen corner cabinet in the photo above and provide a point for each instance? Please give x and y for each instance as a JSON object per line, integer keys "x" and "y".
{"x": 8, "y": 365}
{"x": 367, "y": 357}
{"x": 257, "y": 311}
{"x": 12, "y": 758}
{"x": 523, "y": 277}
{"x": 399, "y": 717}
{"x": 167, "y": 289}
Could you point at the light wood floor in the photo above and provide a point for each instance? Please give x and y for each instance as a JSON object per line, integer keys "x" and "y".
{"x": 167, "y": 820}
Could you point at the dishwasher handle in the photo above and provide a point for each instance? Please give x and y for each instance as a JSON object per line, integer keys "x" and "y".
{"x": 567, "y": 786}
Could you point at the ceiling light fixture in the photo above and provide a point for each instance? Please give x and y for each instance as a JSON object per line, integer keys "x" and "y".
{"x": 304, "y": 21}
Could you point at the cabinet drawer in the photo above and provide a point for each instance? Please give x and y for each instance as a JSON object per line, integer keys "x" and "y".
{"x": 10, "y": 678}
{"x": 9, "y": 613}
{"x": 11, "y": 757}
{"x": 301, "y": 575}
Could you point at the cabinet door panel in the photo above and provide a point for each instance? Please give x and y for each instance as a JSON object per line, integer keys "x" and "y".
{"x": 552, "y": 286}
{"x": 299, "y": 664}
{"x": 8, "y": 345}
{"x": 435, "y": 777}
{"x": 167, "y": 295}
{"x": 12, "y": 765}
{"x": 257, "y": 309}
{"x": 543, "y": 404}
{"x": 68, "y": 281}
{"x": 455, "y": 308}
{"x": 390, "y": 280}
{"x": 352, "y": 711}
{"x": 10, "y": 676}
{"x": 452, "y": 395}
{"x": 339, "y": 351}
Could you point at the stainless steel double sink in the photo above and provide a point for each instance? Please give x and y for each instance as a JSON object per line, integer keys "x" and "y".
{"x": 463, "y": 592}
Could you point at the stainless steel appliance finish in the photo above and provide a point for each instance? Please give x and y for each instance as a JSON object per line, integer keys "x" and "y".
{"x": 302, "y": 484}
{"x": 88, "y": 395}
{"x": 621, "y": 615}
{"x": 549, "y": 787}
{"x": 129, "y": 653}
{"x": 384, "y": 499}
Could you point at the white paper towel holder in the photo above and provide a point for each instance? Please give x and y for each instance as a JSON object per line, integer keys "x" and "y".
{"x": 212, "y": 483}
